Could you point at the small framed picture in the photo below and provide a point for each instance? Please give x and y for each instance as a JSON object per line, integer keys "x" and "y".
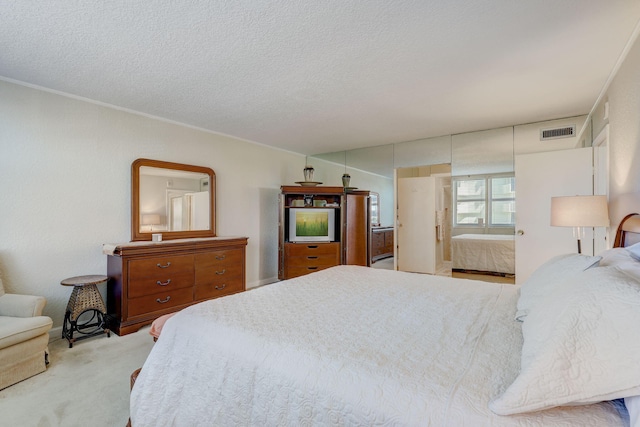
{"x": 308, "y": 199}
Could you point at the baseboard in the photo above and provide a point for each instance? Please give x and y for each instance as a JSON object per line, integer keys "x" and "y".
{"x": 55, "y": 333}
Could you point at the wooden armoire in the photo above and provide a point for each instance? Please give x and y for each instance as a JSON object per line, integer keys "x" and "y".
{"x": 349, "y": 242}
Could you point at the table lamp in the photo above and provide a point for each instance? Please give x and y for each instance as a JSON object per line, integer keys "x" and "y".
{"x": 579, "y": 212}
{"x": 151, "y": 220}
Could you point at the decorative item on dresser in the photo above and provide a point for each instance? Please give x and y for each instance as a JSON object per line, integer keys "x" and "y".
{"x": 343, "y": 237}
{"x": 150, "y": 279}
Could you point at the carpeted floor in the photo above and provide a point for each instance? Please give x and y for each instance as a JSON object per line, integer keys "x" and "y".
{"x": 87, "y": 385}
{"x": 387, "y": 264}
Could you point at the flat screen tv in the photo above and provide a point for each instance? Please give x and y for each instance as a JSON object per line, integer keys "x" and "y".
{"x": 311, "y": 225}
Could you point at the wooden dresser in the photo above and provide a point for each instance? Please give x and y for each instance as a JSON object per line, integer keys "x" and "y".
{"x": 381, "y": 243}
{"x": 150, "y": 279}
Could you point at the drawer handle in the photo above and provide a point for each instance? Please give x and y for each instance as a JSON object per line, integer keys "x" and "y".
{"x": 312, "y": 247}
{"x": 162, "y": 301}
{"x": 312, "y": 257}
{"x": 164, "y": 266}
{"x": 220, "y": 257}
{"x": 312, "y": 268}
{"x": 221, "y": 287}
{"x": 163, "y": 283}
{"x": 224, "y": 270}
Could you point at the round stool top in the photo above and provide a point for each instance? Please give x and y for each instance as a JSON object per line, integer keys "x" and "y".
{"x": 84, "y": 280}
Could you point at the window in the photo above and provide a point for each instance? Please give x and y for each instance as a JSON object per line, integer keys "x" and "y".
{"x": 375, "y": 208}
{"x": 479, "y": 198}
{"x": 503, "y": 201}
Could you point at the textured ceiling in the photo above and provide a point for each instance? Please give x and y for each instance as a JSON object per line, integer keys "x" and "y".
{"x": 320, "y": 76}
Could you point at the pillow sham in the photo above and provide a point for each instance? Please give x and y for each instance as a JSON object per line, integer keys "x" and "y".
{"x": 580, "y": 345}
{"x": 549, "y": 276}
{"x": 633, "y": 408}
{"x": 634, "y": 250}
{"x": 615, "y": 256}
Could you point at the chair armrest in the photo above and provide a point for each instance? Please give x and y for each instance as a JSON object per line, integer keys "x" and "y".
{"x": 15, "y": 305}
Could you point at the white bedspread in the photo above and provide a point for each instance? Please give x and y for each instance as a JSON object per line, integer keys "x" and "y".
{"x": 344, "y": 346}
{"x": 484, "y": 252}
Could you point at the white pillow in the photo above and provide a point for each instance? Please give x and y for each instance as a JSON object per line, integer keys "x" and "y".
{"x": 615, "y": 256}
{"x": 580, "y": 345}
{"x": 633, "y": 408}
{"x": 549, "y": 276}
{"x": 634, "y": 250}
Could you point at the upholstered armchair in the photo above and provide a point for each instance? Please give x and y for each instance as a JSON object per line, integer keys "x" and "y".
{"x": 24, "y": 336}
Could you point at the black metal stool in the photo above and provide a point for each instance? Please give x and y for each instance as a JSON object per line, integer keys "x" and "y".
{"x": 85, "y": 298}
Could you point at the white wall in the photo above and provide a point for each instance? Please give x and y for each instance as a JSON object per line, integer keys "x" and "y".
{"x": 623, "y": 96}
{"x": 624, "y": 155}
{"x": 330, "y": 173}
{"x": 526, "y": 138}
{"x": 65, "y": 169}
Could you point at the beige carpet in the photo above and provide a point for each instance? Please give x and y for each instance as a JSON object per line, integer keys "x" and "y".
{"x": 87, "y": 385}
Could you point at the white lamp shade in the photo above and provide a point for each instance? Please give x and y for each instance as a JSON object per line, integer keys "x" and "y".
{"x": 150, "y": 219}
{"x": 579, "y": 211}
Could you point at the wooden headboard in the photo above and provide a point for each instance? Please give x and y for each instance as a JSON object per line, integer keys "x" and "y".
{"x": 628, "y": 231}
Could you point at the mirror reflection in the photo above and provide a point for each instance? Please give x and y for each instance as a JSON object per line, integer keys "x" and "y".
{"x": 479, "y": 198}
{"x": 172, "y": 200}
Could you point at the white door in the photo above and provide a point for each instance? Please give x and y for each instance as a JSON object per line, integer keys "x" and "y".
{"x": 200, "y": 211}
{"x": 416, "y": 228}
{"x": 540, "y": 176}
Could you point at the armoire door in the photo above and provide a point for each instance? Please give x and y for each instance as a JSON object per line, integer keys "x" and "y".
{"x": 358, "y": 228}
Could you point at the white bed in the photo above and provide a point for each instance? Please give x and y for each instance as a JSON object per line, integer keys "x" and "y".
{"x": 347, "y": 346}
{"x": 484, "y": 252}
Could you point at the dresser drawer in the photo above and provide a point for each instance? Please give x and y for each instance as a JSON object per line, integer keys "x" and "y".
{"x": 151, "y": 267}
{"x": 312, "y": 249}
{"x": 377, "y": 238}
{"x": 296, "y": 271}
{"x": 160, "y": 301}
{"x": 314, "y": 260}
{"x": 160, "y": 274}
{"x": 220, "y": 287}
{"x": 219, "y": 260}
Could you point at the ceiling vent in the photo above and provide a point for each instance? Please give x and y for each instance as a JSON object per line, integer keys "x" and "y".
{"x": 563, "y": 132}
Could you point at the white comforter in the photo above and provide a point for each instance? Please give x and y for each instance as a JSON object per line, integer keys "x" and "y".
{"x": 344, "y": 346}
{"x": 484, "y": 252}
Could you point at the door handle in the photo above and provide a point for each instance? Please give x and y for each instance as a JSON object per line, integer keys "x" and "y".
{"x": 520, "y": 232}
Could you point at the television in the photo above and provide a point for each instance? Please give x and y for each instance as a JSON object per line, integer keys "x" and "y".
{"x": 312, "y": 225}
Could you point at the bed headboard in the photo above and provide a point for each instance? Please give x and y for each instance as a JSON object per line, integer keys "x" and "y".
{"x": 628, "y": 231}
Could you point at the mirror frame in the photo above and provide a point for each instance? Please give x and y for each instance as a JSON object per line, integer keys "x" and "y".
{"x": 136, "y": 234}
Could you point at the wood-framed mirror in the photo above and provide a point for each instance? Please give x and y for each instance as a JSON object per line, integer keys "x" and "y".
{"x": 172, "y": 199}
